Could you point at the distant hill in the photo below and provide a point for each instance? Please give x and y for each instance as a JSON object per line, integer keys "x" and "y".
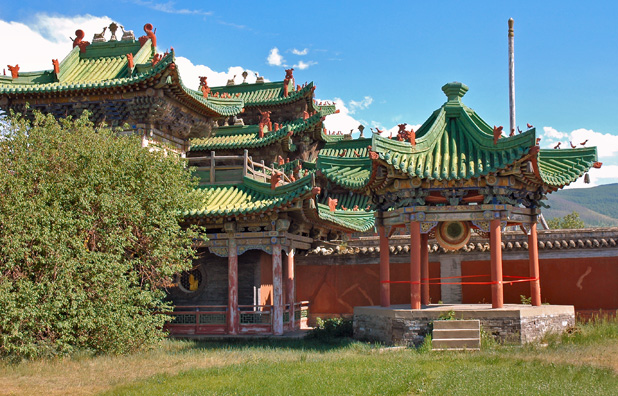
{"x": 597, "y": 206}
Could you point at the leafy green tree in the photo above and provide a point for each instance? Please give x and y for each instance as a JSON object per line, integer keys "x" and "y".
{"x": 89, "y": 237}
{"x": 570, "y": 221}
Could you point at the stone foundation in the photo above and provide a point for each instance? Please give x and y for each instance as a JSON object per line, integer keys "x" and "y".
{"x": 398, "y": 324}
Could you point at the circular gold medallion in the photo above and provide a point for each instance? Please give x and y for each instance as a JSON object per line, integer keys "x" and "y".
{"x": 453, "y": 235}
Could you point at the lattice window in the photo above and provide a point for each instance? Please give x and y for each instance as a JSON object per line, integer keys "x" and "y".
{"x": 184, "y": 319}
{"x": 255, "y": 318}
{"x": 212, "y": 318}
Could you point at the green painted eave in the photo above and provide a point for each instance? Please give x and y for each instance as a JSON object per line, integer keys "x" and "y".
{"x": 270, "y": 93}
{"x": 453, "y": 144}
{"x": 359, "y": 221}
{"x": 351, "y": 173}
{"x": 347, "y": 201}
{"x": 559, "y": 168}
{"x": 249, "y": 197}
{"x": 241, "y": 137}
{"x": 347, "y": 148}
{"x": 103, "y": 66}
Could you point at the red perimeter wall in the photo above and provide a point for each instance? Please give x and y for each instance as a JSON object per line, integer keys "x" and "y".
{"x": 590, "y": 284}
{"x": 336, "y": 289}
{"x": 586, "y": 283}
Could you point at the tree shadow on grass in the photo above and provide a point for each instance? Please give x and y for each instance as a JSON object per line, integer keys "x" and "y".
{"x": 301, "y": 344}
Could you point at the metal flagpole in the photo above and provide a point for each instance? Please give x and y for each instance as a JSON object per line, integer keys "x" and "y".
{"x": 512, "y": 76}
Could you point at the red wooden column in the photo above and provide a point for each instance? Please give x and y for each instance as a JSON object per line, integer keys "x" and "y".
{"x": 385, "y": 276}
{"x": 424, "y": 270}
{"x": 232, "y": 287}
{"x": 533, "y": 253}
{"x": 277, "y": 318}
{"x": 495, "y": 246}
{"x": 415, "y": 264}
{"x": 289, "y": 285}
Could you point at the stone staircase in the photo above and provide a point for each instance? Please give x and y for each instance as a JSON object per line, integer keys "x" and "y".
{"x": 456, "y": 335}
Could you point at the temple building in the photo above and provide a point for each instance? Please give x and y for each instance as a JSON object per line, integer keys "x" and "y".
{"x": 275, "y": 184}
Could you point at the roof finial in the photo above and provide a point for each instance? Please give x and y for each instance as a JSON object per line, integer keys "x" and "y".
{"x": 454, "y": 91}
{"x": 112, "y": 28}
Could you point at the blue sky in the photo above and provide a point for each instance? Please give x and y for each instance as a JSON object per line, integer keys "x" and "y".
{"x": 383, "y": 63}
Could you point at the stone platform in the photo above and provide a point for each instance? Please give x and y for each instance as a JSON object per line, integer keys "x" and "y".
{"x": 514, "y": 323}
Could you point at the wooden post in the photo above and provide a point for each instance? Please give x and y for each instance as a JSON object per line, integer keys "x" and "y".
{"x": 415, "y": 264}
{"x": 495, "y": 246}
{"x": 277, "y": 318}
{"x": 245, "y": 162}
{"x": 232, "y": 279}
{"x": 385, "y": 276}
{"x": 424, "y": 270}
{"x": 533, "y": 253}
{"x": 212, "y": 167}
{"x": 289, "y": 286}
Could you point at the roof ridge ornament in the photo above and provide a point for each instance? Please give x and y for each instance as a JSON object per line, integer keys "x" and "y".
{"x": 99, "y": 37}
{"x": 150, "y": 34}
{"x": 78, "y": 40}
{"x": 113, "y": 27}
{"x": 454, "y": 91}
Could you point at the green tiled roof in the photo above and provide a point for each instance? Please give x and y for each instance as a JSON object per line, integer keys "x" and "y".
{"x": 347, "y": 201}
{"x": 270, "y": 93}
{"x": 241, "y": 137}
{"x": 249, "y": 197}
{"x": 339, "y": 163}
{"x": 454, "y": 143}
{"x": 558, "y": 168}
{"x": 359, "y": 221}
{"x": 104, "y": 66}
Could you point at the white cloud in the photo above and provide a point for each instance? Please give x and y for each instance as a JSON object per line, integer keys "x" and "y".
{"x": 169, "y": 8}
{"x": 299, "y": 52}
{"x": 303, "y": 65}
{"x": 551, "y": 133}
{"x": 606, "y": 143}
{"x": 190, "y": 74}
{"x": 49, "y": 35}
{"x": 360, "y": 105}
{"x": 275, "y": 58}
{"x": 393, "y": 130}
{"x": 607, "y": 174}
{"x": 342, "y": 121}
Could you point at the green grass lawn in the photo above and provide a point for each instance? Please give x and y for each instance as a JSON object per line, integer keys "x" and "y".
{"x": 582, "y": 362}
{"x": 356, "y": 369}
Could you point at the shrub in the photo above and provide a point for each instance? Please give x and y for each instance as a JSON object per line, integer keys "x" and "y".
{"x": 329, "y": 329}
{"x": 89, "y": 233}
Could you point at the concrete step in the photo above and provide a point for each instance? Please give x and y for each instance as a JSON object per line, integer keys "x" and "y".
{"x": 456, "y": 343}
{"x": 456, "y": 324}
{"x": 444, "y": 334}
